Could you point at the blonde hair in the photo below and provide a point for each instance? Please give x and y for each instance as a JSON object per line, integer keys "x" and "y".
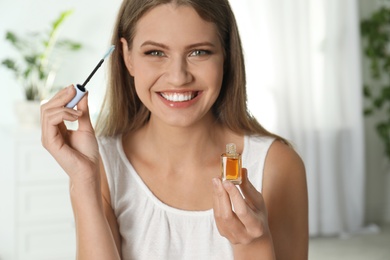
{"x": 122, "y": 111}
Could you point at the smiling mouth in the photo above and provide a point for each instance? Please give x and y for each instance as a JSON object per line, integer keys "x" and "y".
{"x": 179, "y": 97}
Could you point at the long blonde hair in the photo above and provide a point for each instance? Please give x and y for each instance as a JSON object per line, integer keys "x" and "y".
{"x": 122, "y": 111}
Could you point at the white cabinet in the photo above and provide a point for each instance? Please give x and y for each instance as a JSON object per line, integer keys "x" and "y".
{"x": 36, "y": 218}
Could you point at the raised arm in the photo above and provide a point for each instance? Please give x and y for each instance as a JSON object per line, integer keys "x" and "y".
{"x": 77, "y": 153}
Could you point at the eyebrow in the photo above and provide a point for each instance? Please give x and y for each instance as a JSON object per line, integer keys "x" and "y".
{"x": 154, "y": 44}
{"x": 161, "y": 45}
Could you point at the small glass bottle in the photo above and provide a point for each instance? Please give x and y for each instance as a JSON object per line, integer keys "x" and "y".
{"x": 231, "y": 165}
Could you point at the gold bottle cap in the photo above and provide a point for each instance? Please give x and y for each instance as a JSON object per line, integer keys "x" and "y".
{"x": 231, "y": 148}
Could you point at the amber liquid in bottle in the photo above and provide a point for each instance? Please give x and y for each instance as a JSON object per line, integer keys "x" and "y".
{"x": 231, "y": 165}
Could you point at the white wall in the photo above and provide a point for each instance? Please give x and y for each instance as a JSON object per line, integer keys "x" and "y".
{"x": 91, "y": 24}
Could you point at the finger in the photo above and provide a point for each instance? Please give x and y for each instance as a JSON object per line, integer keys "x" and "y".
{"x": 52, "y": 126}
{"x": 52, "y": 106}
{"x": 55, "y": 116}
{"x": 85, "y": 119}
{"x": 55, "y": 125}
{"x": 221, "y": 201}
{"x": 63, "y": 97}
{"x": 238, "y": 202}
{"x": 253, "y": 197}
{"x": 48, "y": 113}
{"x": 55, "y": 136}
{"x": 63, "y": 131}
{"x": 250, "y": 218}
{"x": 241, "y": 209}
{"x": 226, "y": 220}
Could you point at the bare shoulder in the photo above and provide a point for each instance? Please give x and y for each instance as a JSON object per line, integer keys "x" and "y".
{"x": 283, "y": 162}
{"x": 285, "y": 196}
{"x": 284, "y": 173}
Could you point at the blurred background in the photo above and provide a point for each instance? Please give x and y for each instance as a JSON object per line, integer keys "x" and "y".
{"x": 305, "y": 71}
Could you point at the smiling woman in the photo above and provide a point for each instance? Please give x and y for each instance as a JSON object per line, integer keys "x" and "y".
{"x": 166, "y": 66}
{"x": 149, "y": 186}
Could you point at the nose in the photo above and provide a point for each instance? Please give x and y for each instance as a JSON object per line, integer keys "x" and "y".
{"x": 177, "y": 72}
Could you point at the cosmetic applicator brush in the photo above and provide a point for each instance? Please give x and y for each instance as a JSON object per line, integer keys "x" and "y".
{"x": 80, "y": 89}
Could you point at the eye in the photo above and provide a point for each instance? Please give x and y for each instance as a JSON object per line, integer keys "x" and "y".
{"x": 200, "y": 53}
{"x": 155, "y": 53}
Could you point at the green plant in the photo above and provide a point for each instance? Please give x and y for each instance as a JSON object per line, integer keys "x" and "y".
{"x": 375, "y": 31}
{"x": 34, "y": 68}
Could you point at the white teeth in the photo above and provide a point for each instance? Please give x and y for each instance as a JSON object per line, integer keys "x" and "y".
{"x": 178, "y": 97}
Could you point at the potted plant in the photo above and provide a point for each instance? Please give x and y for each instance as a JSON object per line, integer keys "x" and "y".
{"x": 375, "y": 31}
{"x": 35, "y": 69}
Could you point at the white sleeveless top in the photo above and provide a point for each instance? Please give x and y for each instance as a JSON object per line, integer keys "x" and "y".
{"x": 152, "y": 230}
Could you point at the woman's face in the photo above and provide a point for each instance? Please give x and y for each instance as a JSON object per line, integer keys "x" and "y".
{"x": 176, "y": 59}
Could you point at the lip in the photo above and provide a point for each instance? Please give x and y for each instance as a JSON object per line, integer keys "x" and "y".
{"x": 179, "y": 104}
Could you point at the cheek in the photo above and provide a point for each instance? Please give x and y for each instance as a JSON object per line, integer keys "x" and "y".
{"x": 215, "y": 76}
{"x": 145, "y": 71}
{"x": 142, "y": 88}
{"x": 144, "y": 76}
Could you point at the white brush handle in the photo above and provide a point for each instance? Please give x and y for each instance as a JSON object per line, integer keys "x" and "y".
{"x": 80, "y": 92}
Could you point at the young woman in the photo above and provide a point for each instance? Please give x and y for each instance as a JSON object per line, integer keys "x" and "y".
{"x": 149, "y": 186}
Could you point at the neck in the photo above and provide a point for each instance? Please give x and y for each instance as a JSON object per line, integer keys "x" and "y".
{"x": 177, "y": 149}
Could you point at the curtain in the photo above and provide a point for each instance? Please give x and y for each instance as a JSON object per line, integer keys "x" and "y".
{"x": 304, "y": 83}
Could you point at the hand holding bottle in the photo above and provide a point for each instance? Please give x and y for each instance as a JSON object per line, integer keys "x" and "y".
{"x": 248, "y": 221}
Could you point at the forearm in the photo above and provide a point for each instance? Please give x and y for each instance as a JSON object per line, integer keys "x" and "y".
{"x": 94, "y": 237}
{"x": 261, "y": 248}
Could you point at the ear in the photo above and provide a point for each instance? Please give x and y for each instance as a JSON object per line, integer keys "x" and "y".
{"x": 127, "y": 56}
